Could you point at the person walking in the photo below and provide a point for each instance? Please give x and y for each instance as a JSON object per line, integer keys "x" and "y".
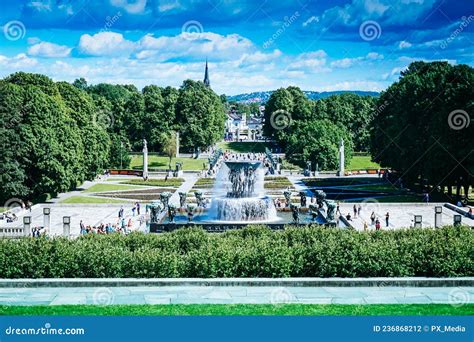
{"x": 82, "y": 227}
{"x": 355, "y": 211}
{"x": 372, "y": 217}
{"x": 138, "y": 208}
{"x": 377, "y": 224}
{"x": 387, "y": 218}
{"x": 359, "y": 209}
{"x": 120, "y": 213}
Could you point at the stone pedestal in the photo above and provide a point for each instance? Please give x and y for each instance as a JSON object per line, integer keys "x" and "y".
{"x": 438, "y": 217}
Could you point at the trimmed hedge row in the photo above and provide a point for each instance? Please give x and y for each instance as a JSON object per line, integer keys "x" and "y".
{"x": 250, "y": 252}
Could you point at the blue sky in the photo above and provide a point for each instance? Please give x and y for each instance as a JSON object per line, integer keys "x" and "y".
{"x": 250, "y": 45}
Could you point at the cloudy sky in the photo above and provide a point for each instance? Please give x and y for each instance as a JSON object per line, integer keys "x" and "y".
{"x": 251, "y": 45}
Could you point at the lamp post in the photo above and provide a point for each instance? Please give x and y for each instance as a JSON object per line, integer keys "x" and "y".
{"x": 66, "y": 225}
{"x": 27, "y": 225}
{"x": 46, "y": 217}
{"x": 438, "y": 216}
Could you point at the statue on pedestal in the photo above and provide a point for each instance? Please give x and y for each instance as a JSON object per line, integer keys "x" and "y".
{"x": 199, "y": 199}
{"x": 313, "y": 211}
{"x": 171, "y": 212}
{"x": 287, "y": 194}
{"x": 145, "y": 160}
{"x": 182, "y": 199}
{"x": 303, "y": 198}
{"x": 296, "y": 213}
{"x": 164, "y": 198}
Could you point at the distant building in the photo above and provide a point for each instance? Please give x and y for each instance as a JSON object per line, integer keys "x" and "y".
{"x": 239, "y": 128}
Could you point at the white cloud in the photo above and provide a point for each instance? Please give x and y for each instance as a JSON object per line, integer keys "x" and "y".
{"x": 404, "y": 44}
{"x": 132, "y": 7}
{"x": 104, "y": 44}
{"x": 46, "y": 49}
{"x": 312, "y": 62}
{"x": 348, "y": 62}
{"x": 17, "y": 63}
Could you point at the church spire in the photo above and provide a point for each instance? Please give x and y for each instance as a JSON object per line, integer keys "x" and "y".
{"x": 206, "y": 81}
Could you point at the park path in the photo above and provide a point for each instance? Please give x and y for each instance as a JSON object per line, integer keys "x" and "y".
{"x": 189, "y": 180}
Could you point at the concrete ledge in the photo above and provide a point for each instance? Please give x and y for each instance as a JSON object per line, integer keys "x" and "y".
{"x": 278, "y": 282}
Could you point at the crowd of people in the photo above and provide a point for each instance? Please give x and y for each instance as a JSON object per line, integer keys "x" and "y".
{"x": 124, "y": 223}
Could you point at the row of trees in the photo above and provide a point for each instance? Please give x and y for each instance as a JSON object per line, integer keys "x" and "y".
{"x": 422, "y": 126}
{"x": 55, "y": 135}
{"x": 311, "y": 130}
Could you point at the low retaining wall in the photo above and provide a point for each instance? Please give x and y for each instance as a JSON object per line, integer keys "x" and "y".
{"x": 279, "y": 282}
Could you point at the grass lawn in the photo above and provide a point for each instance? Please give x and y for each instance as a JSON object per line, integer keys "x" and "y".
{"x": 362, "y": 163}
{"x": 242, "y": 310}
{"x": 387, "y": 187}
{"x": 109, "y": 187}
{"x": 2, "y": 209}
{"x": 162, "y": 162}
{"x": 90, "y": 200}
{"x": 243, "y": 147}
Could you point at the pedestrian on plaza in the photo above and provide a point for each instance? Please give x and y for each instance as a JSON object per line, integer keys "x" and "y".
{"x": 82, "y": 227}
{"x": 133, "y": 210}
{"x": 355, "y": 211}
{"x": 138, "y": 208}
{"x": 372, "y": 217}
{"x": 387, "y": 218}
{"x": 365, "y": 226}
{"x": 120, "y": 213}
{"x": 359, "y": 209}
{"x": 338, "y": 209}
{"x": 377, "y": 224}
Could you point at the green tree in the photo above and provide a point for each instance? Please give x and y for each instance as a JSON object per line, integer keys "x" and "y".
{"x": 199, "y": 115}
{"x": 415, "y": 130}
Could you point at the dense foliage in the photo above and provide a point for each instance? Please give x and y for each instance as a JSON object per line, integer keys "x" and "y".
{"x": 415, "y": 132}
{"x": 250, "y": 252}
{"x": 49, "y": 136}
{"x": 56, "y": 135}
{"x": 313, "y": 129}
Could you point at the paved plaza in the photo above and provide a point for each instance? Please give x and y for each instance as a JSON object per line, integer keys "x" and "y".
{"x": 235, "y": 295}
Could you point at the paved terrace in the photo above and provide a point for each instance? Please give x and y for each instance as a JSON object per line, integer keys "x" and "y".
{"x": 212, "y": 291}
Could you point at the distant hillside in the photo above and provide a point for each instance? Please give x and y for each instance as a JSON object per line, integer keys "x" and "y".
{"x": 263, "y": 96}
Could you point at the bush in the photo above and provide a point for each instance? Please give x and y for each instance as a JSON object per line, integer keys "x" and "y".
{"x": 255, "y": 251}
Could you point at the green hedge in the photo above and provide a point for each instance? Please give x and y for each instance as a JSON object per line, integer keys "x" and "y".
{"x": 250, "y": 252}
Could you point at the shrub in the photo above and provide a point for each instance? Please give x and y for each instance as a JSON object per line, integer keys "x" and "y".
{"x": 255, "y": 251}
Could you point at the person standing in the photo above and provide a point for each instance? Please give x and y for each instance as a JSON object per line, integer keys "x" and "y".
{"x": 372, "y": 217}
{"x": 355, "y": 211}
{"x": 359, "y": 209}
{"x": 138, "y": 208}
{"x": 82, "y": 227}
{"x": 377, "y": 224}
{"x": 387, "y": 218}
{"x": 120, "y": 213}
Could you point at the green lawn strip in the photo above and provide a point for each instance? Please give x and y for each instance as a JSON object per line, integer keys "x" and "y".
{"x": 155, "y": 182}
{"x": 90, "y": 200}
{"x": 362, "y": 163}
{"x": 109, "y": 187}
{"x": 377, "y": 187}
{"x": 245, "y": 147}
{"x": 162, "y": 162}
{"x": 243, "y": 310}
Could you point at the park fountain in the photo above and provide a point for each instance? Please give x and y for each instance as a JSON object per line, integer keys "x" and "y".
{"x": 239, "y": 194}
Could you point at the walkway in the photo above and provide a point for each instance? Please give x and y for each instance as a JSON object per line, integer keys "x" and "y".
{"x": 235, "y": 295}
